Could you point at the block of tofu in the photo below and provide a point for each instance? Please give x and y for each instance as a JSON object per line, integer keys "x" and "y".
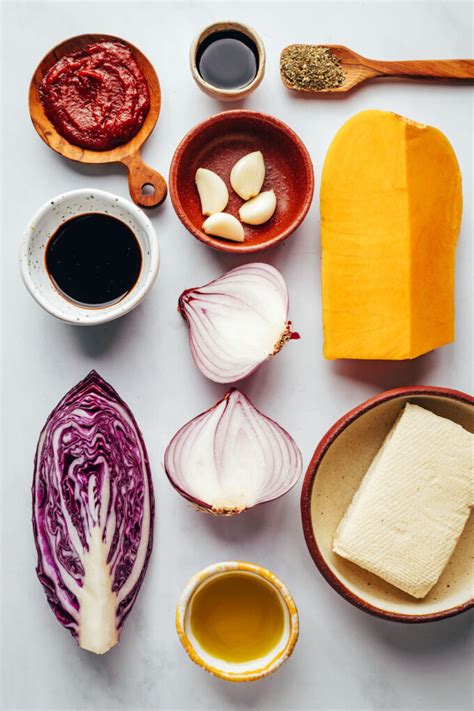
{"x": 413, "y": 503}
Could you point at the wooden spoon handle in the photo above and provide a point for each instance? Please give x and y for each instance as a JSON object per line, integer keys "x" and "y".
{"x": 426, "y": 69}
{"x": 147, "y": 187}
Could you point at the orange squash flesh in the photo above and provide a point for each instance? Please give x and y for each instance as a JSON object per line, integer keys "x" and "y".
{"x": 391, "y": 206}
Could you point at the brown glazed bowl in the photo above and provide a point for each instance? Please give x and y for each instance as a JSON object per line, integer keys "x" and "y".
{"x": 217, "y": 144}
{"x": 333, "y": 476}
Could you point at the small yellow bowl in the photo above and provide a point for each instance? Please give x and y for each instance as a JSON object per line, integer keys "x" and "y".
{"x": 231, "y": 671}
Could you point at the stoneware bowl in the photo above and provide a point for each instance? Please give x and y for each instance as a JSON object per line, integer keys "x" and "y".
{"x": 250, "y": 671}
{"x": 336, "y": 470}
{"x": 227, "y": 94}
{"x": 217, "y": 144}
{"x": 43, "y": 226}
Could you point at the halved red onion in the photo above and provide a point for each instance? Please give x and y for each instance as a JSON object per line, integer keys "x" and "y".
{"x": 232, "y": 457}
{"x": 237, "y": 321}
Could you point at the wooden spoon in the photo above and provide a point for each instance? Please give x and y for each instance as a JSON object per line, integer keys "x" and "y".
{"x": 140, "y": 176}
{"x": 358, "y": 69}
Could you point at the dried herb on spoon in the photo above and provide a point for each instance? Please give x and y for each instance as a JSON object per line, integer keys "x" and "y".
{"x": 312, "y": 67}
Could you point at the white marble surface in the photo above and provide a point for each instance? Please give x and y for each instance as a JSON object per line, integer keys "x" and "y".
{"x": 344, "y": 659}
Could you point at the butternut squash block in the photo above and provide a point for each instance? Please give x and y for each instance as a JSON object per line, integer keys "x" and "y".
{"x": 391, "y": 206}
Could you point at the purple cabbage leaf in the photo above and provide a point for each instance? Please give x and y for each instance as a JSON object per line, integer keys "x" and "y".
{"x": 93, "y": 511}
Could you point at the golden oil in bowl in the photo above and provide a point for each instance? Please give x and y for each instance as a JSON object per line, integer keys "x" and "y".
{"x": 237, "y": 620}
{"x": 237, "y": 617}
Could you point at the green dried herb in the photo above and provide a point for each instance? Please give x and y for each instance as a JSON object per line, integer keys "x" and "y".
{"x": 310, "y": 67}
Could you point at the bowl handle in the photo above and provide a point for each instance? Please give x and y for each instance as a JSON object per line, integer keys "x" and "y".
{"x": 147, "y": 187}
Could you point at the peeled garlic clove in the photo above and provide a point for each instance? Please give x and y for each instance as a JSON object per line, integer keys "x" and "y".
{"x": 237, "y": 321}
{"x": 259, "y": 209}
{"x": 248, "y": 174}
{"x": 232, "y": 457}
{"x": 221, "y": 224}
{"x": 212, "y": 191}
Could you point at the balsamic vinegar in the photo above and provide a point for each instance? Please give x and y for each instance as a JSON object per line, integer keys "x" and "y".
{"x": 94, "y": 259}
{"x": 227, "y": 59}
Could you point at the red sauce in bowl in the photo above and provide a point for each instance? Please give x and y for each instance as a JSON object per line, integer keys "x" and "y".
{"x": 96, "y": 97}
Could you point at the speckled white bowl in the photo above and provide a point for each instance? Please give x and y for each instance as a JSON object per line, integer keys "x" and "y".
{"x": 45, "y": 223}
{"x": 230, "y": 671}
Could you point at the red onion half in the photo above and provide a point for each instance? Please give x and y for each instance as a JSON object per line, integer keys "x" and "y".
{"x": 237, "y": 321}
{"x": 232, "y": 457}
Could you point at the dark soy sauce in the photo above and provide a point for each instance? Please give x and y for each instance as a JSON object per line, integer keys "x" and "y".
{"x": 227, "y": 59}
{"x": 94, "y": 259}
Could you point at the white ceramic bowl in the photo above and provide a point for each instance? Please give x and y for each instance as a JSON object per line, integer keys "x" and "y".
{"x": 45, "y": 223}
{"x": 231, "y": 671}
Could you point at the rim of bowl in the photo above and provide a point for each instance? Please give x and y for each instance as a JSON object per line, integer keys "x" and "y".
{"x": 239, "y": 247}
{"x": 106, "y": 314}
{"x": 210, "y": 89}
{"x": 229, "y": 567}
{"x": 306, "y": 495}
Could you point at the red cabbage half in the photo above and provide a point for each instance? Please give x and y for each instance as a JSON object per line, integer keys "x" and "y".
{"x": 93, "y": 511}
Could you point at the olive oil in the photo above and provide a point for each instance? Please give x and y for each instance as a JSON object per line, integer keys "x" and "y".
{"x": 237, "y": 617}
{"x": 227, "y": 59}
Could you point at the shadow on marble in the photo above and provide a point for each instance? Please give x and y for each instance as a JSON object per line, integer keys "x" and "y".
{"x": 278, "y": 256}
{"x": 248, "y": 695}
{"x": 96, "y": 341}
{"x": 95, "y": 173}
{"x": 388, "y": 374}
{"x": 245, "y": 527}
{"x": 93, "y": 170}
{"x": 413, "y": 85}
{"x": 414, "y": 640}
{"x": 432, "y": 638}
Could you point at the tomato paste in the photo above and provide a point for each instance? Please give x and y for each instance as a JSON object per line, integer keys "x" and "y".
{"x": 96, "y": 97}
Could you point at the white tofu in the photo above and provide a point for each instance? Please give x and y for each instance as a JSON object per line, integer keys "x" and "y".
{"x": 413, "y": 503}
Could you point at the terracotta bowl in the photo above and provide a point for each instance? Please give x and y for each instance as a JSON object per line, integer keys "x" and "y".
{"x": 334, "y": 474}
{"x": 217, "y": 144}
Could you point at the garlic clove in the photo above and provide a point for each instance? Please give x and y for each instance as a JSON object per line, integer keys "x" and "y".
{"x": 248, "y": 174}
{"x": 259, "y": 209}
{"x": 212, "y": 191}
{"x": 221, "y": 224}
